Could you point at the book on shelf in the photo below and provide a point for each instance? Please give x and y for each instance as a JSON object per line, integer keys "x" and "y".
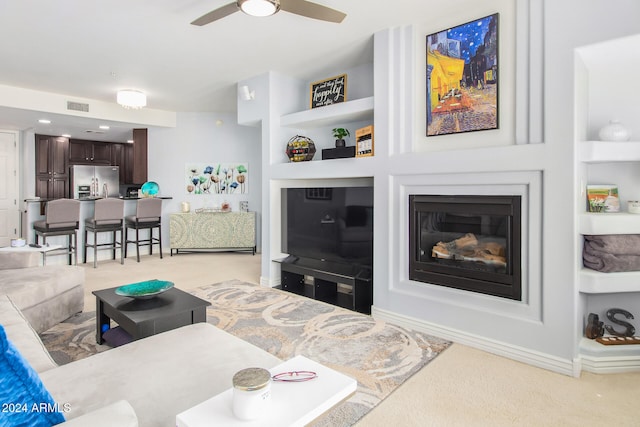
{"x": 603, "y": 198}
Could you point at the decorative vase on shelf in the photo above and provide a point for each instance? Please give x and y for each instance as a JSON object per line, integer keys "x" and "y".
{"x": 614, "y": 132}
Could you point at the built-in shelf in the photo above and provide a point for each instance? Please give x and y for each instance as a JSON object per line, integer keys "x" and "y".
{"x": 604, "y": 151}
{"x": 353, "y": 167}
{"x": 609, "y": 223}
{"x": 350, "y": 111}
{"x": 603, "y": 162}
{"x": 595, "y": 282}
{"x": 594, "y": 348}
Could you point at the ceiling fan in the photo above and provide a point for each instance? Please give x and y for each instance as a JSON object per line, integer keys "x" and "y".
{"x": 269, "y": 7}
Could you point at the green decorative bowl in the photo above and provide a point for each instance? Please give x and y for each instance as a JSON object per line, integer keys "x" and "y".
{"x": 144, "y": 290}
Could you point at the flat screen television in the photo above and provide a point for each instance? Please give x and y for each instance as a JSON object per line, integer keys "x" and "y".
{"x": 331, "y": 224}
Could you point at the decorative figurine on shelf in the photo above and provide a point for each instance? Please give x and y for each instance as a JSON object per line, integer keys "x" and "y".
{"x": 300, "y": 149}
{"x": 629, "y": 329}
{"x": 339, "y": 134}
{"x": 595, "y": 328}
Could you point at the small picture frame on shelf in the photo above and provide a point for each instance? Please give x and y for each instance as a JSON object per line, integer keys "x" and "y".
{"x": 364, "y": 141}
{"x": 603, "y": 198}
{"x": 244, "y": 206}
{"x": 329, "y": 91}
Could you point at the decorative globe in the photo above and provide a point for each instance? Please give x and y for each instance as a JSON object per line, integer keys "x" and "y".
{"x": 150, "y": 189}
{"x": 300, "y": 149}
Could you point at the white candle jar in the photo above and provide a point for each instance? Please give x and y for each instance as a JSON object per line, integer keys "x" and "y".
{"x": 251, "y": 393}
{"x": 186, "y": 207}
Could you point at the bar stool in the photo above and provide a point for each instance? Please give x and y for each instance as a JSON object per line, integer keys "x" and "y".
{"x": 108, "y": 216}
{"x": 61, "y": 219}
{"x": 148, "y": 216}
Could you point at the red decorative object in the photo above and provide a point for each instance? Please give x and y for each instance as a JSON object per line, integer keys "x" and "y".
{"x": 300, "y": 149}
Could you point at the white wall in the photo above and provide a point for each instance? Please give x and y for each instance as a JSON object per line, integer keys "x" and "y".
{"x": 487, "y": 162}
{"x": 551, "y": 339}
{"x": 202, "y": 138}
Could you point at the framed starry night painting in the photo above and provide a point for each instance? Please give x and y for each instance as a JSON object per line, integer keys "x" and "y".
{"x": 462, "y": 78}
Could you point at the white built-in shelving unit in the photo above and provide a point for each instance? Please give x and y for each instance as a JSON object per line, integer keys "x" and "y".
{"x": 350, "y": 114}
{"x": 593, "y": 284}
{"x": 350, "y": 111}
{"x": 591, "y": 281}
{"x": 606, "y": 162}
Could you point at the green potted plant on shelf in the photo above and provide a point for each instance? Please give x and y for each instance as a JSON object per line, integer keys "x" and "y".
{"x": 339, "y": 134}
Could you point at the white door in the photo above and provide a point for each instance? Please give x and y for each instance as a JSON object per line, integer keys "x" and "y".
{"x": 9, "y": 206}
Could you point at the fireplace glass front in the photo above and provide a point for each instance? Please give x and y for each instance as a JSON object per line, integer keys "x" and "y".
{"x": 466, "y": 242}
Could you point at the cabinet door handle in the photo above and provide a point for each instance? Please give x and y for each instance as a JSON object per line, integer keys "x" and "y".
{"x": 92, "y": 159}
{"x": 86, "y": 158}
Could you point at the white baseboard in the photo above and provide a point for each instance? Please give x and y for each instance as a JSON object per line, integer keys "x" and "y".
{"x": 610, "y": 365}
{"x": 266, "y": 282}
{"x": 534, "y": 358}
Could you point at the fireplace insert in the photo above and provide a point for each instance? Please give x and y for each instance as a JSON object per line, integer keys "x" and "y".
{"x": 468, "y": 242}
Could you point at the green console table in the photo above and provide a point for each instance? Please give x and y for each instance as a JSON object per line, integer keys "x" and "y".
{"x": 227, "y": 231}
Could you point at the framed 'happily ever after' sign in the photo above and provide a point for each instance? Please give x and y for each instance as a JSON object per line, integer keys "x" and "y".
{"x": 329, "y": 91}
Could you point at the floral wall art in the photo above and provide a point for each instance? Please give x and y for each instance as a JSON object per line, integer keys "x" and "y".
{"x": 217, "y": 178}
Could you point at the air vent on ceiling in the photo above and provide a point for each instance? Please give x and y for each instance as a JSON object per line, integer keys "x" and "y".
{"x": 94, "y": 131}
{"x": 77, "y": 106}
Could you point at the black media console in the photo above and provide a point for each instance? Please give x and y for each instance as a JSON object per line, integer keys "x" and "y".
{"x": 325, "y": 279}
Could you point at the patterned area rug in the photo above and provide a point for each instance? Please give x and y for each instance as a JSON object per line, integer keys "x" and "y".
{"x": 379, "y": 355}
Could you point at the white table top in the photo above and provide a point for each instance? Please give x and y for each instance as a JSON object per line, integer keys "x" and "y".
{"x": 292, "y": 404}
{"x": 27, "y": 248}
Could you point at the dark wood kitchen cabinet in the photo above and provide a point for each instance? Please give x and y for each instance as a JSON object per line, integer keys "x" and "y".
{"x": 139, "y": 161}
{"x": 52, "y": 167}
{"x": 83, "y": 152}
{"x": 122, "y": 156}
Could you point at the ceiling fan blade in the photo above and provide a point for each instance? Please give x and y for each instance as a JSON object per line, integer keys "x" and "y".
{"x": 312, "y": 10}
{"x": 214, "y": 15}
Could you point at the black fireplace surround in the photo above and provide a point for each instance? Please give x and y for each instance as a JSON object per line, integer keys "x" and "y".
{"x": 467, "y": 242}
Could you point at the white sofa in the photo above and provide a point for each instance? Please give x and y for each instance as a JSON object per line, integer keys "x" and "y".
{"x": 144, "y": 383}
{"x": 46, "y": 295}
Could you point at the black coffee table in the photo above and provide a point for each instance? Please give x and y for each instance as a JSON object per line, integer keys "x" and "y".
{"x": 145, "y": 317}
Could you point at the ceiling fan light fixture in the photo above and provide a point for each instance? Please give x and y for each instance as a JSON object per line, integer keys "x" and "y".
{"x": 130, "y": 98}
{"x": 259, "y": 7}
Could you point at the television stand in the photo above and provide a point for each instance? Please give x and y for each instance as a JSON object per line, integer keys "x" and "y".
{"x": 345, "y": 285}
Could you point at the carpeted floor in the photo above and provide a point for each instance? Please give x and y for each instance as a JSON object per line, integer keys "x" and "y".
{"x": 378, "y": 355}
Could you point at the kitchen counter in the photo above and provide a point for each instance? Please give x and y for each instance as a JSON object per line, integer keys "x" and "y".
{"x": 35, "y": 211}
{"x": 93, "y": 198}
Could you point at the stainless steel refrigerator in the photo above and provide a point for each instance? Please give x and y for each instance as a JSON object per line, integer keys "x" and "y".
{"x": 94, "y": 181}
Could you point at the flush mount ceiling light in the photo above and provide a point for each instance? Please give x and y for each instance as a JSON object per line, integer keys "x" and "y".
{"x": 132, "y": 99}
{"x": 259, "y": 7}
